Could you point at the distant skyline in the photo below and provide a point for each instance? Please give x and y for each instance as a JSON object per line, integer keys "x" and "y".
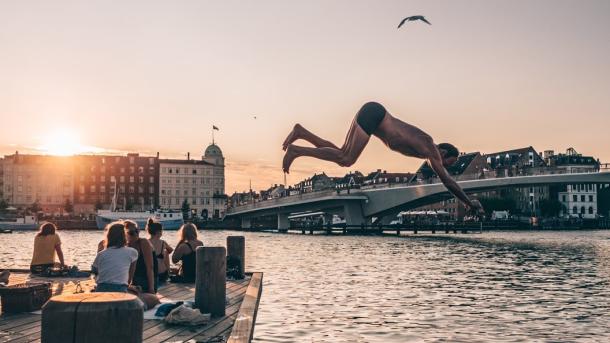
{"x": 148, "y": 76}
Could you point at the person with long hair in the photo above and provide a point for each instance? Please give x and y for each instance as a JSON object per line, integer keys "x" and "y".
{"x": 115, "y": 265}
{"x": 46, "y": 245}
{"x": 145, "y": 274}
{"x": 185, "y": 252}
{"x": 160, "y": 247}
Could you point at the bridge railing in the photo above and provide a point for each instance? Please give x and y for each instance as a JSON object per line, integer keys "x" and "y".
{"x": 282, "y": 200}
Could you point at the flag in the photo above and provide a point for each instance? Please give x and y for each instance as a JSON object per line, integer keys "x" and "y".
{"x": 215, "y": 128}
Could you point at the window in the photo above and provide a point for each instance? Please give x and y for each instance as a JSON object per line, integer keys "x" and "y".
{"x": 177, "y": 170}
{"x": 151, "y": 179}
{"x": 590, "y": 209}
{"x": 141, "y": 179}
{"x": 575, "y": 210}
{"x": 170, "y": 170}
{"x": 582, "y": 210}
{"x": 140, "y": 189}
{"x": 574, "y": 197}
{"x": 194, "y": 171}
{"x": 92, "y": 189}
{"x": 591, "y": 198}
{"x": 582, "y": 198}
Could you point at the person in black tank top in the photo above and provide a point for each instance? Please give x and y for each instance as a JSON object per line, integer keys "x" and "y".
{"x": 145, "y": 274}
{"x": 185, "y": 253}
{"x": 161, "y": 249}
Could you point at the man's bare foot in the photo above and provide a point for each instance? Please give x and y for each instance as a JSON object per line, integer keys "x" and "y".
{"x": 4, "y": 276}
{"x": 289, "y": 156}
{"x": 292, "y": 136}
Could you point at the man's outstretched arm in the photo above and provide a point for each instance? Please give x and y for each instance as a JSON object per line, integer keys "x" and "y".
{"x": 437, "y": 165}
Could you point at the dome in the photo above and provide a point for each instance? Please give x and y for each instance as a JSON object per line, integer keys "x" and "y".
{"x": 213, "y": 151}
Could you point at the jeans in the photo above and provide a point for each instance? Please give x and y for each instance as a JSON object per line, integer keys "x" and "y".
{"x": 111, "y": 287}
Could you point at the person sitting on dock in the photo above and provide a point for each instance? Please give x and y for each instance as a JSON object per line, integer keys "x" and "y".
{"x": 374, "y": 120}
{"x": 161, "y": 249}
{"x": 114, "y": 265}
{"x": 46, "y": 245}
{"x": 185, "y": 252}
{"x": 145, "y": 274}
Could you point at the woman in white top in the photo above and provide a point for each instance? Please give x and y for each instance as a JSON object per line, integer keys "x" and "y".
{"x": 115, "y": 264}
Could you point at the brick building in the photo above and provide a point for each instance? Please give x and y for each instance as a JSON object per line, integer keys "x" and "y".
{"x": 95, "y": 176}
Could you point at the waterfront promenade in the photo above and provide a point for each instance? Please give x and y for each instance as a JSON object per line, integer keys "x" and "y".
{"x": 243, "y": 297}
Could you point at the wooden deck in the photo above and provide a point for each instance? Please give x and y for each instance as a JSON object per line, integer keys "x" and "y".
{"x": 243, "y": 295}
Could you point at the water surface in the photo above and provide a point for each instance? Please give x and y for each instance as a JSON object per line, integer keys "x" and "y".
{"x": 490, "y": 287}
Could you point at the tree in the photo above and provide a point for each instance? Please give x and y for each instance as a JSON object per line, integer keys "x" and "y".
{"x": 186, "y": 209}
{"x": 3, "y": 204}
{"x": 68, "y": 207}
{"x": 550, "y": 207}
{"x": 98, "y": 205}
{"x": 35, "y": 207}
{"x": 129, "y": 205}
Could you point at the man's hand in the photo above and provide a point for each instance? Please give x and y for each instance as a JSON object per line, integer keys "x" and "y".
{"x": 476, "y": 208}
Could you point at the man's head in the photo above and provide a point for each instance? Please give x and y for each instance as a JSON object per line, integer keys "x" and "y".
{"x": 449, "y": 153}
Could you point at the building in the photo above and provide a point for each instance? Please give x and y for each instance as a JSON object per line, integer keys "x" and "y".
{"x": 315, "y": 183}
{"x": 577, "y": 200}
{"x": 201, "y": 183}
{"x": 37, "y": 179}
{"x": 349, "y": 181}
{"x": 383, "y": 178}
{"x": 95, "y": 177}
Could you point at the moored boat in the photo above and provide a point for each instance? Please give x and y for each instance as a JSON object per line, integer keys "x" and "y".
{"x": 170, "y": 220}
{"x": 25, "y": 223}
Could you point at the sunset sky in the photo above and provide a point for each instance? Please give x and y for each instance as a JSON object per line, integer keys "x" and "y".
{"x": 148, "y": 76}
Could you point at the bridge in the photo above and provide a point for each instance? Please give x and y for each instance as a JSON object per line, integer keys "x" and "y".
{"x": 360, "y": 205}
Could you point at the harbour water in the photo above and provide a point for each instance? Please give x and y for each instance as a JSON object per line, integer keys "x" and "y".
{"x": 489, "y": 287}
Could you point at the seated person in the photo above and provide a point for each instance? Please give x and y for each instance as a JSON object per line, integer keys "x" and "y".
{"x": 185, "y": 252}
{"x": 46, "y": 245}
{"x": 115, "y": 265}
{"x": 145, "y": 274}
{"x": 160, "y": 247}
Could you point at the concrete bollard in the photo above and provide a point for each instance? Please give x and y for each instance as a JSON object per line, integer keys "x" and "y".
{"x": 236, "y": 247}
{"x": 211, "y": 280}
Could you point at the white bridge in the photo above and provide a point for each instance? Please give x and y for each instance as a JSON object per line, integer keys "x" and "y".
{"x": 361, "y": 204}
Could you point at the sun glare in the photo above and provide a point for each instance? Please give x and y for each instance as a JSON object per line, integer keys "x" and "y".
{"x": 62, "y": 143}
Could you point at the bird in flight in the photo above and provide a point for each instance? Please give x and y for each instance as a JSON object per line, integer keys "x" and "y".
{"x": 413, "y": 18}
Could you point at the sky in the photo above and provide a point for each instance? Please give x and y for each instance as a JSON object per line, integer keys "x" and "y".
{"x": 154, "y": 76}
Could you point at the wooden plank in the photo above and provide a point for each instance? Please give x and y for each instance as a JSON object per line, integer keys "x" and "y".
{"x": 243, "y": 329}
{"x": 155, "y": 327}
{"x": 19, "y": 328}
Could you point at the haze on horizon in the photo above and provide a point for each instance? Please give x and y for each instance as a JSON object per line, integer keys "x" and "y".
{"x": 152, "y": 76}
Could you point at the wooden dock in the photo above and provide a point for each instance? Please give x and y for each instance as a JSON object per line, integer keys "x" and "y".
{"x": 243, "y": 300}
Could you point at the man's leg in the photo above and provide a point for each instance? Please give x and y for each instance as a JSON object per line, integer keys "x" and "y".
{"x": 355, "y": 142}
{"x": 299, "y": 132}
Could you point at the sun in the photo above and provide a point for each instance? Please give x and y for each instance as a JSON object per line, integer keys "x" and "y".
{"x": 62, "y": 143}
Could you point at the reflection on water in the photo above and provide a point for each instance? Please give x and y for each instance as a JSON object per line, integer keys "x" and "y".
{"x": 500, "y": 287}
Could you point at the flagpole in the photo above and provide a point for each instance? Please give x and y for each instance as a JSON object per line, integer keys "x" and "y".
{"x": 212, "y": 134}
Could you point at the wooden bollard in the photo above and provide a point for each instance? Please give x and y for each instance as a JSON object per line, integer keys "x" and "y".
{"x": 236, "y": 247}
{"x": 211, "y": 280}
{"x": 92, "y": 317}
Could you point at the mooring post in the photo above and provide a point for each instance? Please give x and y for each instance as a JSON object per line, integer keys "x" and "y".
{"x": 236, "y": 247}
{"x": 211, "y": 280}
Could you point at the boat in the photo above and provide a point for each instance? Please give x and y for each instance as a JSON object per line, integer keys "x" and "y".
{"x": 169, "y": 219}
{"x": 24, "y": 223}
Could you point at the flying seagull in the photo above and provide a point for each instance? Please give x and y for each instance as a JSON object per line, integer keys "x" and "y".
{"x": 413, "y": 18}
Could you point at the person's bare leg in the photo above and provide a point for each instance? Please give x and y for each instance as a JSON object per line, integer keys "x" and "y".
{"x": 355, "y": 142}
{"x": 299, "y": 132}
